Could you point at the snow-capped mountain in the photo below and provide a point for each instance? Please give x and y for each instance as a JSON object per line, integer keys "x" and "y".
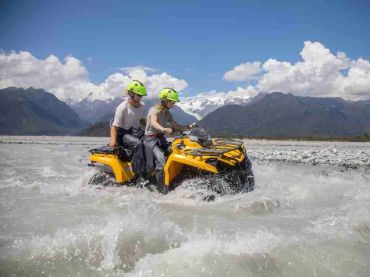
{"x": 202, "y": 104}
{"x": 91, "y": 111}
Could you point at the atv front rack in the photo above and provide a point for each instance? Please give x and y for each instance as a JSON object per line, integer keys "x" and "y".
{"x": 225, "y": 142}
{"x": 220, "y": 147}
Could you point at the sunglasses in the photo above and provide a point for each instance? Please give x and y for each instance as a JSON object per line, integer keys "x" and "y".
{"x": 132, "y": 95}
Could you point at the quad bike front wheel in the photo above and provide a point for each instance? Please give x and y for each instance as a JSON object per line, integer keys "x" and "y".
{"x": 103, "y": 179}
{"x": 239, "y": 181}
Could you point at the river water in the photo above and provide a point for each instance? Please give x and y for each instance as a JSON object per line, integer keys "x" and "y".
{"x": 309, "y": 215}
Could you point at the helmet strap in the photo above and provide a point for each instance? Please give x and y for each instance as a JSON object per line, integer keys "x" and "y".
{"x": 131, "y": 99}
{"x": 164, "y": 103}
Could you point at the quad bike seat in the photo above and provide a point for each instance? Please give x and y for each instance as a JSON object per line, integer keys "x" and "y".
{"x": 103, "y": 150}
{"x": 121, "y": 152}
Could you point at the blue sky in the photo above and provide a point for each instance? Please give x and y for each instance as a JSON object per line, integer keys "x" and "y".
{"x": 197, "y": 41}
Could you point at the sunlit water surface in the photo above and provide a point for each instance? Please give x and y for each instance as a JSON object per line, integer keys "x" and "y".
{"x": 308, "y": 216}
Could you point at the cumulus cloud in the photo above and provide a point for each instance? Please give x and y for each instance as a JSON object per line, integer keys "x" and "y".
{"x": 24, "y": 70}
{"x": 115, "y": 84}
{"x": 242, "y": 93}
{"x": 68, "y": 79}
{"x": 319, "y": 73}
{"x": 243, "y": 72}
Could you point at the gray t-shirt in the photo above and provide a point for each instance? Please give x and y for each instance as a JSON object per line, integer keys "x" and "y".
{"x": 128, "y": 116}
{"x": 165, "y": 119}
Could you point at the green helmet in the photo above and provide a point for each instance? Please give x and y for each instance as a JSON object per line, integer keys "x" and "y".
{"x": 136, "y": 87}
{"x": 169, "y": 94}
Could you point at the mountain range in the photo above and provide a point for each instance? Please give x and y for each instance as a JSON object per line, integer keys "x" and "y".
{"x": 285, "y": 115}
{"x": 35, "y": 112}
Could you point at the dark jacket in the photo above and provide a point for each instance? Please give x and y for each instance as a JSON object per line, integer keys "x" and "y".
{"x": 149, "y": 143}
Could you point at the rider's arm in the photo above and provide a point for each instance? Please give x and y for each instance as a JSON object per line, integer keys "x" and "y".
{"x": 113, "y": 136}
{"x": 159, "y": 127}
{"x": 117, "y": 122}
{"x": 155, "y": 124}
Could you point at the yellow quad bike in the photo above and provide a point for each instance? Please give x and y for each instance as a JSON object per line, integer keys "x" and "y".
{"x": 191, "y": 154}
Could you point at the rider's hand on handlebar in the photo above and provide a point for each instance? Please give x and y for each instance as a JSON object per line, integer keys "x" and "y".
{"x": 167, "y": 131}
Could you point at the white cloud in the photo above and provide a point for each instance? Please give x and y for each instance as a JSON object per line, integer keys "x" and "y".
{"x": 319, "y": 73}
{"x": 115, "y": 85}
{"x": 357, "y": 81}
{"x": 243, "y": 72}
{"x": 129, "y": 69}
{"x": 24, "y": 70}
{"x": 69, "y": 79}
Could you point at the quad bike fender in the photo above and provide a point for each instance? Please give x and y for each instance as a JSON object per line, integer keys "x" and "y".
{"x": 175, "y": 162}
{"x": 122, "y": 170}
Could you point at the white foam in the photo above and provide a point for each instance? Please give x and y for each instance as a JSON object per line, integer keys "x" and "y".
{"x": 195, "y": 253}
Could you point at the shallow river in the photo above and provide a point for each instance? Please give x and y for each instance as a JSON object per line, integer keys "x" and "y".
{"x": 309, "y": 215}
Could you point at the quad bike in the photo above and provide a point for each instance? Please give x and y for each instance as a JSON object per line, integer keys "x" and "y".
{"x": 191, "y": 154}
